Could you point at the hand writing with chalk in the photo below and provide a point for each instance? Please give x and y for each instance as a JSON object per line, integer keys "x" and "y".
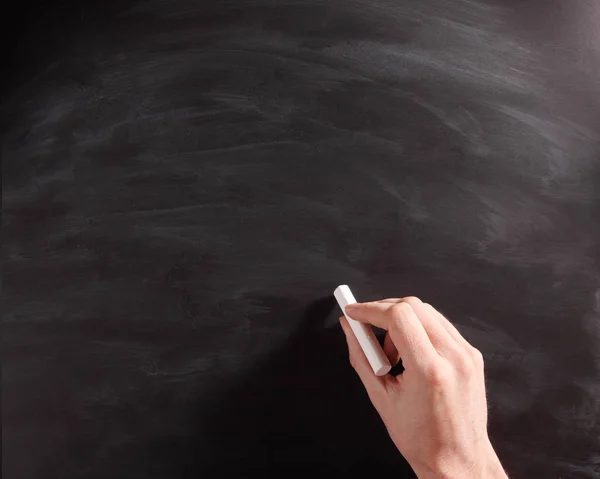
{"x": 436, "y": 410}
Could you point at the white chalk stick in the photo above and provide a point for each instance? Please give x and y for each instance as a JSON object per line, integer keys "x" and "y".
{"x": 363, "y": 332}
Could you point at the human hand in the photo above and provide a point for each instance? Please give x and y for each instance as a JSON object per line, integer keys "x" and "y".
{"x": 436, "y": 410}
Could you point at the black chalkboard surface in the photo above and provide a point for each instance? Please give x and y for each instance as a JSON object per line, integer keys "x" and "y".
{"x": 186, "y": 182}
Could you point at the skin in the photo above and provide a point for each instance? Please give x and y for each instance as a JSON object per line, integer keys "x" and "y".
{"x": 436, "y": 410}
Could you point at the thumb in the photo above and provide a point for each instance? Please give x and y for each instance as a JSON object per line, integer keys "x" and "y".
{"x": 375, "y": 385}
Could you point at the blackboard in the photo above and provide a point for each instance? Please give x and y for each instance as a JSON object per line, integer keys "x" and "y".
{"x": 185, "y": 183}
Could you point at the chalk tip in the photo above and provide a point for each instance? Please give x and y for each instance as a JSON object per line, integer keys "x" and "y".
{"x": 383, "y": 370}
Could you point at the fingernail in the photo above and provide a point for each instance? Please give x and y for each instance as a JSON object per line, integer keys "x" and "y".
{"x": 352, "y": 306}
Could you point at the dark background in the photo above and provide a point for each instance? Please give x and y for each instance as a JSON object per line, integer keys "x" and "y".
{"x": 185, "y": 183}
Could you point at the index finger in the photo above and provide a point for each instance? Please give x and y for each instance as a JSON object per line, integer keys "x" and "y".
{"x": 405, "y": 329}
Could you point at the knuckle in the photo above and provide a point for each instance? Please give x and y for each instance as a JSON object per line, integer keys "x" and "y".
{"x": 352, "y": 361}
{"x": 400, "y": 309}
{"x": 463, "y": 364}
{"x": 412, "y": 300}
{"x": 477, "y": 356}
{"x": 438, "y": 376}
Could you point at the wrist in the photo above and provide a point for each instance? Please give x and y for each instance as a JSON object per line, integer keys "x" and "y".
{"x": 486, "y": 466}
